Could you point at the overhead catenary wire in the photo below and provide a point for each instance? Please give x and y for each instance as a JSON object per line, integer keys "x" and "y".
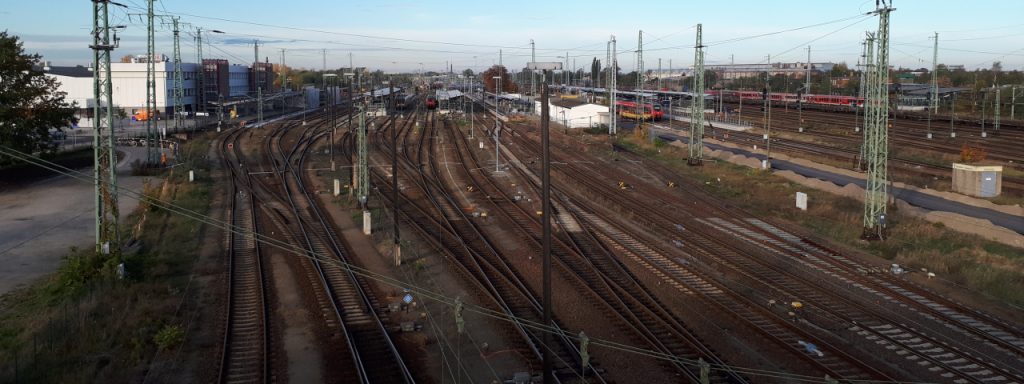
{"x": 423, "y": 292}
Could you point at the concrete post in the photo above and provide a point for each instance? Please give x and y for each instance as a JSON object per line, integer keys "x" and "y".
{"x": 367, "y": 221}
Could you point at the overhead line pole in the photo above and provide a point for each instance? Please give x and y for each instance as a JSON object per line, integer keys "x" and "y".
{"x": 614, "y": 75}
{"x": 179, "y": 85}
{"x": 639, "y": 132}
{"x": 877, "y": 151}
{"x": 200, "y": 81}
{"x": 546, "y": 213}
{"x": 104, "y": 159}
{"x": 934, "y": 107}
{"x": 696, "y": 146}
{"x": 151, "y": 112}
{"x": 284, "y": 73}
{"x": 869, "y": 73}
{"x": 768, "y": 115}
{"x": 533, "y": 76}
{"x": 807, "y": 72}
{"x": 394, "y": 174}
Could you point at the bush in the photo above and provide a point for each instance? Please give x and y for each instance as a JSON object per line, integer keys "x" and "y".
{"x": 169, "y": 336}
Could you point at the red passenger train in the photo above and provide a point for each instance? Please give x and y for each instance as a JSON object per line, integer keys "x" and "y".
{"x": 431, "y": 102}
{"x": 791, "y": 97}
{"x": 628, "y": 109}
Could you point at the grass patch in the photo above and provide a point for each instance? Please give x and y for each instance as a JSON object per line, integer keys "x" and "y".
{"x": 84, "y": 324}
{"x": 992, "y": 268}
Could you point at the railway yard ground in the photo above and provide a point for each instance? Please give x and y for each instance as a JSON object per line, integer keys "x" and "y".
{"x": 271, "y": 277}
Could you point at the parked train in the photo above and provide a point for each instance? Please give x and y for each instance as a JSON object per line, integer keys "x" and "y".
{"x": 431, "y": 102}
{"x": 628, "y": 110}
{"x": 403, "y": 101}
{"x": 790, "y": 98}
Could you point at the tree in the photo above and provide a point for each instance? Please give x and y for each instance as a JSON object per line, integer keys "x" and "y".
{"x": 507, "y": 85}
{"x": 468, "y": 73}
{"x": 30, "y": 102}
{"x": 595, "y": 72}
{"x": 840, "y": 70}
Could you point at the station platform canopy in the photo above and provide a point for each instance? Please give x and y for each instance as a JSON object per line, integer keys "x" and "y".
{"x": 635, "y": 93}
{"x": 442, "y": 94}
{"x": 381, "y": 92}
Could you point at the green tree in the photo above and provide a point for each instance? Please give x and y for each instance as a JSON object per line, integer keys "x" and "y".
{"x": 30, "y": 102}
{"x": 468, "y": 73}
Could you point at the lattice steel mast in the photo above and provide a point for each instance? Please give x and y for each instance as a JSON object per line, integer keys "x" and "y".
{"x": 934, "y": 94}
{"x": 613, "y": 126}
{"x": 179, "y": 86}
{"x": 869, "y": 70}
{"x": 200, "y": 94}
{"x": 876, "y": 135}
{"x": 151, "y": 113}
{"x": 696, "y": 146}
{"x": 104, "y": 159}
{"x": 639, "y": 132}
{"x": 533, "y": 76}
{"x": 363, "y": 182}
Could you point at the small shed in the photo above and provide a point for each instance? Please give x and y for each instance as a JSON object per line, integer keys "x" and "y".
{"x": 575, "y": 114}
{"x": 978, "y": 180}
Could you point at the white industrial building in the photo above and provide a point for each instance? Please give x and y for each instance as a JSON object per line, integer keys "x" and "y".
{"x": 129, "y": 86}
{"x": 575, "y": 114}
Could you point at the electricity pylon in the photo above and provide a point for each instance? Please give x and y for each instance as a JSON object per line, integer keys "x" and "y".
{"x": 363, "y": 187}
{"x": 866, "y": 89}
{"x": 151, "y": 113}
{"x": 200, "y": 82}
{"x": 613, "y": 77}
{"x": 179, "y": 85}
{"x": 697, "y": 106}
{"x": 876, "y": 135}
{"x": 107, "y": 237}
{"x": 640, "y": 87}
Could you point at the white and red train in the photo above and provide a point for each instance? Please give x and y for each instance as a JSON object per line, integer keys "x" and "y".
{"x": 790, "y": 97}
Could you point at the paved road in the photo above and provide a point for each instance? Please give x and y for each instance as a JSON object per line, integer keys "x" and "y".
{"x": 39, "y": 222}
{"x": 915, "y": 198}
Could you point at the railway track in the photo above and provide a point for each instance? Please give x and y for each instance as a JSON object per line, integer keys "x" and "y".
{"x": 937, "y": 331}
{"x": 597, "y": 271}
{"x": 244, "y": 358}
{"x": 1002, "y": 146}
{"x": 375, "y": 356}
{"x": 900, "y": 166}
{"x": 716, "y": 294}
{"x": 360, "y": 349}
{"x": 443, "y": 223}
{"x": 762, "y": 275}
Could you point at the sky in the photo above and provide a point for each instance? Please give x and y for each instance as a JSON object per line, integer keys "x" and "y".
{"x": 398, "y": 36}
